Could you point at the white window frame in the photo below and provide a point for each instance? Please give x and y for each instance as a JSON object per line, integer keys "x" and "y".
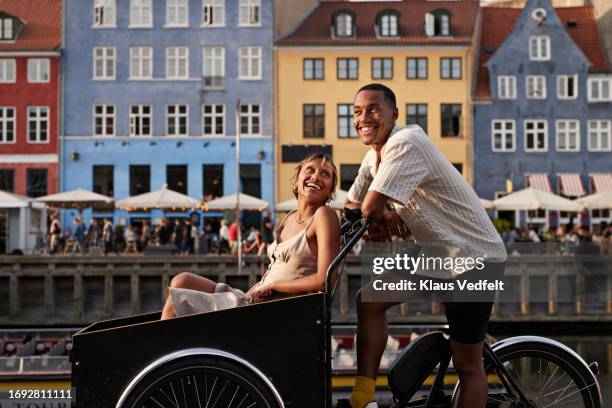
{"x": 7, "y": 29}
{"x": 538, "y": 80}
{"x": 506, "y": 87}
{"x": 105, "y": 116}
{"x": 343, "y": 25}
{"x": 505, "y": 134}
{"x": 389, "y": 25}
{"x": 176, "y": 117}
{"x": 37, "y": 68}
{"x": 140, "y": 115}
{"x": 599, "y": 82}
{"x": 250, "y": 116}
{"x": 344, "y": 116}
{"x": 105, "y": 59}
{"x": 174, "y": 7}
{"x": 104, "y": 14}
{"x": 249, "y": 13}
{"x": 213, "y": 57}
{"x": 217, "y": 7}
{"x": 174, "y": 55}
{"x": 539, "y": 48}
{"x": 600, "y": 133}
{"x": 4, "y": 121}
{"x": 4, "y": 70}
{"x": 138, "y": 8}
{"x": 535, "y": 131}
{"x": 214, "y": 117}
{"x": 139, "y": 63}
{"x": 248, "y": 59}
{"x": 562, "y": 82}
{"x": 38, "y": 119}
{"x": 562, "y": 130}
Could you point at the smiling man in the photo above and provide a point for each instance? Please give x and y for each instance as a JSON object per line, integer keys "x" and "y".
{"x": 405, "y": 171}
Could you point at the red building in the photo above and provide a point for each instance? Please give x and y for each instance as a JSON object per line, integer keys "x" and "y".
{"x": 30, "y": 40}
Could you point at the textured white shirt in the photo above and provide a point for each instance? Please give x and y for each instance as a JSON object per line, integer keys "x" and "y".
{"x": 431, "y": 197}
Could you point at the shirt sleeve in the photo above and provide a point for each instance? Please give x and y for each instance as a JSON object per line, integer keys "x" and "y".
{"x": 401, "y": 170}
{"x": 363, "y": 180}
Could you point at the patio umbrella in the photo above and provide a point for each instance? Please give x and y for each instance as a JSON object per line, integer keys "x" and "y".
{"x": 291, "y": 204}
{"x": 533, "y": 199}
{"x": 10, "y": 200}
{"x": 164, "y": 199}
{"x": 487, "y": 204}
{"x": 228, "y": 202}
{"x": 78, "y": 199}
{"x": 597, "y": 201}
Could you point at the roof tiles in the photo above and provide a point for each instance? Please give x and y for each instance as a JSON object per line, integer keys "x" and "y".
{"x": 42, "y": 31}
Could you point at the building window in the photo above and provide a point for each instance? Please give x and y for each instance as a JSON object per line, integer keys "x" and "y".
{"x": 382, "y": 68}
{"x": 567, "y": 86}
{"x": 7, "y": 28}
{"x": 36, "y": 180}
{"x": 345, "y": 121}
{"x": 416, "y": 68}
{"x": 536, "y": 135}
{"x": 568, "y": 135}
{"x": 249, "y": 13}
{"x": 536, "y": 87}
{"x": 506, "y": 87}
{"x": 104, "y": 120}
{"x": 7, "y": 70}
{"x": 38, "y": 70}
{"x": 213, "y": 67}
{"x": 7, "y": 180}
{"x": 177, "y": 120}
{"x": 348, "y": 68}
{"x": 249, "y": 63}
{"x": 104, "y": 63}
{"x": 141, "y": 62}
{"x": 348, "y": 174}
{"x": 104, "y": 13}
{"x": 140, "y": 120}
{"x": 450, "y": 68}
{"x": 177, "y": 13}
{"x": 343, "y": 24}
{"x": 314, "y": 120}
{"x": 212, "y": 177}
{"x": 451, "y": 120}
{"x": 7, "y": 125}
{"x": 213, "y": 12}
{"x": 437, "y": 23}
{"x": 503, "y": 135}
{"x": 539, "y": 48}
{"x": 600, "y": 135}
{"x": 388, "y": 25}
{"x": 104, "y": 180}
{"x": 177, "y": 62}
{"x": 416, "y": 114}
{"x": 250, "y": 179}
{"x": 250, "y": 119}
{"x": 141, "y": 13}
{"x": 176, "y": 178}
{"x": 140, "y": 179}
{"x": 599, "y": 89}
{"x": 213, "y": 119}
{"x": 314, "y": 68}
{"x": 38, "y": 124}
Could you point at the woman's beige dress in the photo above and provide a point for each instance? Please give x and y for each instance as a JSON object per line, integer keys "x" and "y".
{"x": 289, "y": 260}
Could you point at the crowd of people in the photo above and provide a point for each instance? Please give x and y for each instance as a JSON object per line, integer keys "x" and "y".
{"x": 566, "y": 234}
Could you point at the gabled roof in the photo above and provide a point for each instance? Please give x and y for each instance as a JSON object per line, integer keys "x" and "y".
{"x": 498, "y": 23}
{"x": 316, "y": 28}
{"x": 43, "y": 24}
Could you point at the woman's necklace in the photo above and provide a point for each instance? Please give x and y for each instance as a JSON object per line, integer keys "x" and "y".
{"x": 297, "y": 218}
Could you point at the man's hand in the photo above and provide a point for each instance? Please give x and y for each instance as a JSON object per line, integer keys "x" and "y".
{"x": 394, "y": 223}
{"x": 378, "y": 233}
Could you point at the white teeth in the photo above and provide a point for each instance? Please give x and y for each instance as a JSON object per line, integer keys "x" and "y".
{"x": 313, "y": 186}
{"x": 366, "y": 129}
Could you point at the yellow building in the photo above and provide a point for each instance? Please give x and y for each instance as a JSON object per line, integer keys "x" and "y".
{"x": 422, "y": 50}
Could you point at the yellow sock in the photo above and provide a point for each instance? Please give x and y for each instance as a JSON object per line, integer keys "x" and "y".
{"x": 363, "y": 392}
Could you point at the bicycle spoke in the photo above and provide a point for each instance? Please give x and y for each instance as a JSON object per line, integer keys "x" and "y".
{"x": 197, "y": 392}
{"x": 569, "y": 395}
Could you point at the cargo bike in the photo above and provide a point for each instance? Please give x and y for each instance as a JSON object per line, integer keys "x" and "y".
{"x": 278, "y": 354}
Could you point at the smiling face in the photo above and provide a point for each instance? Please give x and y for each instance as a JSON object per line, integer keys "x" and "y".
{"x": 315, "y": 181}
{"x": 373, "y": 117}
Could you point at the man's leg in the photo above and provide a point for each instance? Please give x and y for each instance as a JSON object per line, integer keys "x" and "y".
{"x": 468, "y": 363}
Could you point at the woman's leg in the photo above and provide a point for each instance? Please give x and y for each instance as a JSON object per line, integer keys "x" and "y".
{"x": 186, "y": 280}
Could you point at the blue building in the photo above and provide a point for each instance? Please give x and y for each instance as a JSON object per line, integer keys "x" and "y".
{"x": 543, "y": 105}
{"x": 153, "y": 92}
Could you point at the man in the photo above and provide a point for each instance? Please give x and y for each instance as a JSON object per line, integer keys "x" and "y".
{"x": 404, "y": 170}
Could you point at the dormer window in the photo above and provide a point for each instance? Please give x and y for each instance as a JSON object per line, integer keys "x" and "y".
{"x": 7, "y": 28}
{"x": 343, "y": 24}
{"x": 437, "y": 23}
{"x": 388, "y": 24}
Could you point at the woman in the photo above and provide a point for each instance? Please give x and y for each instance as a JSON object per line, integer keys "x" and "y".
{"x": 305, "y": 244}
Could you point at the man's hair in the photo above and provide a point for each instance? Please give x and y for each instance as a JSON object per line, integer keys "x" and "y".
{"x": 387, "y": 92}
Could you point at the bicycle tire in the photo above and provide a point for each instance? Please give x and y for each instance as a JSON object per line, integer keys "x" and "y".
{"x": 200, "y": 381}
{"x": 523, "y": 360}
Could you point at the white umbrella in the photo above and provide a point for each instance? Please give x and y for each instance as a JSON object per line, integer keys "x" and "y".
{"x": 78, "y": 199}
{"x": 10, "y": 200}
{"x": 487, "y": 204}
{"x": 163, "y": 199}
{"x": 291, "y": 204}
{"x": 596, "y": 201}
{"x": 533, "y": 199}
{"x": 228, "y": 202}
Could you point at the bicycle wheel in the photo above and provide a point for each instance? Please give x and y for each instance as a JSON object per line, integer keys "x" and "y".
{"x": 201, "y": 381}
{"x": 548, "y": 376}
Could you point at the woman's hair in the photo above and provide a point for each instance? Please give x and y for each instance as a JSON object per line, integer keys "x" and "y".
{"x": 316, "y": 156}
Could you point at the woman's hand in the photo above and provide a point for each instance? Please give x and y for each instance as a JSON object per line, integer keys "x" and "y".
{"x": 260, "y": 293}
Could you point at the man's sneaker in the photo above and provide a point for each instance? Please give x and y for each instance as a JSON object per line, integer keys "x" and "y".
{"x": 344, "y": 403}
